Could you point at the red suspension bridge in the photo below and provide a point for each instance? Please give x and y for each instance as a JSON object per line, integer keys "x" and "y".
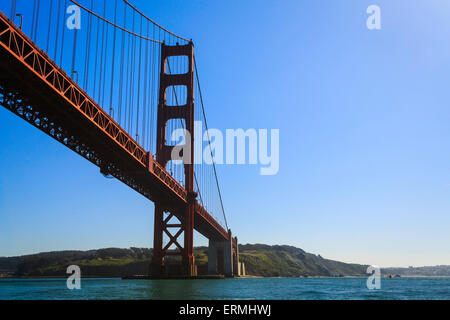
{"x": 112, "y": 85}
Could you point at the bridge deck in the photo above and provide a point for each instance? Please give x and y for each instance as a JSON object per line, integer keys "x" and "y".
{"x": 36, "y": 89}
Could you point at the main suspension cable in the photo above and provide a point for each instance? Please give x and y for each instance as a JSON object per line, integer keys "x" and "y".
{"x": 113, "y": 24}
{"x": 137, "y": 10}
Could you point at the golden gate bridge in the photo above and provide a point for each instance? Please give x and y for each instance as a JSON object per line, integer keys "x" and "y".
{"x": 112, "y": 85}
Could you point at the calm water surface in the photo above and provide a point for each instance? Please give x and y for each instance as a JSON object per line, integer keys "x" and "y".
{"x": 260, "y": 288}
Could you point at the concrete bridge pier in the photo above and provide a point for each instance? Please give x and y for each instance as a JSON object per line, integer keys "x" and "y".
{"x": 220, "y": 259}
{"x": 223, "y": 257}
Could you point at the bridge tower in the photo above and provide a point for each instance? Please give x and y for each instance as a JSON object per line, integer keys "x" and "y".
{"x": 185, "y": 213}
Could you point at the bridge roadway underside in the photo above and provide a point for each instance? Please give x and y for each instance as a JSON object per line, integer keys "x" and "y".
{"x": 30, "y": 97}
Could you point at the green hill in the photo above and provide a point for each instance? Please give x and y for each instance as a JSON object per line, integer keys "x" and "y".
{"x": 259, "y": 259}
{"x": 288, "y": 261}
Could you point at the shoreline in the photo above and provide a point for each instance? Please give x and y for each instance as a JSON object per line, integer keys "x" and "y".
{"x": 209, "y": 277}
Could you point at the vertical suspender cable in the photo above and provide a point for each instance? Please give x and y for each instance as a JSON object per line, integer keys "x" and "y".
{"x": 13, "y": 10}
{"x": 88, "y": 51}
{"x": 127, "y": 73}
{"x": 206, "y": 127}
{"x": 113, "y": 60}
{"x": 74, "y": 51}
{"x": 32, "y": 19}
{"x": 96, "y": 58}
{"x": 62, "y": 38}
{"x": 145, "y": 105}
{"x": 154, "y": 74}
{"x": 37, "y": 20}
{"x": 101, "y": 62}
{"x": 138, "y": 84}
{"x": 57, "y": 28}
{"x": 104, "y": 63}
{"x": 49, "y": 24}
{"x": 133, "y": 66}
{"x": 122, "y": 58}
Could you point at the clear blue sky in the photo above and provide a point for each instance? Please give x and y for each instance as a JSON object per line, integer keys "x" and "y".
{"x": 364, "y": 123}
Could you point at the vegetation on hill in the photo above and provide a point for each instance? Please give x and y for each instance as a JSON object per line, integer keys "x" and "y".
{"x": 288, "y": 261}
{"x": 259, "y": 259}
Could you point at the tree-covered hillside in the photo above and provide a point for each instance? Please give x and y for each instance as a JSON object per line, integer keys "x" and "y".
{"x": 288, "y": 261}
{"x": 260, "y": 260}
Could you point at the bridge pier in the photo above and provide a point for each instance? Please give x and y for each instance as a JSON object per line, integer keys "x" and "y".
{"x": 164, "y": 225}
{"x": 188, "y": 260}
{"x": 220, "y": 258}
{"x": 223, "y": 257}
{"x": 158, "y": 258}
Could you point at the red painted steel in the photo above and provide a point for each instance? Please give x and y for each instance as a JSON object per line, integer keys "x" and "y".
{"x": 37, "y": 90}
{"x": 186, "y": 212}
